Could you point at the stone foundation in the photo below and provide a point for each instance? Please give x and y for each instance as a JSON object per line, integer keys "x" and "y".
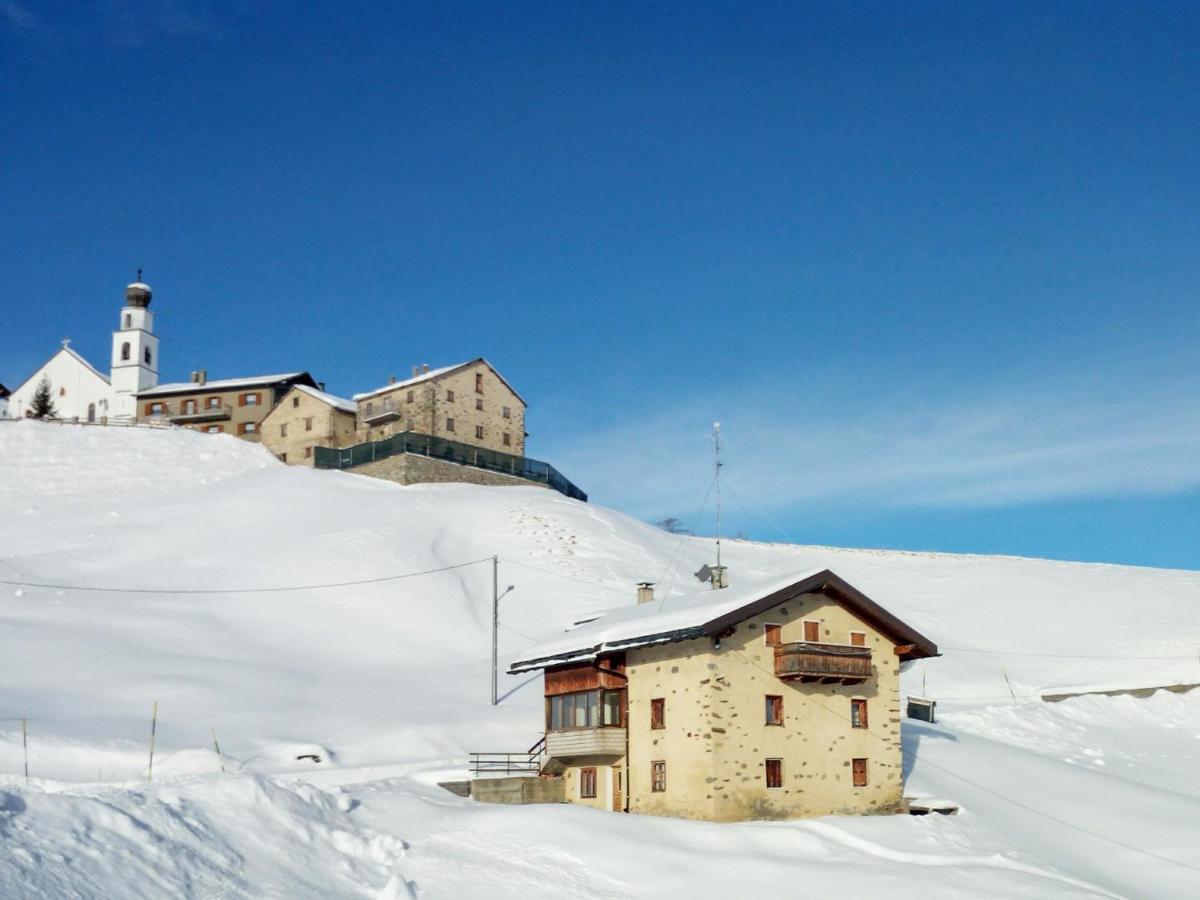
{"x": 412, "y": 468}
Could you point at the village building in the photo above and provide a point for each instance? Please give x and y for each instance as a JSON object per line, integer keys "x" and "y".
{"x": 4, "y": 395}
{"x": 470, "y": 403}
{"x": 79, "y": 391}
{"x": 234, "y": 406}
{"x": 307, "y": 418}
{"x": 772, "y": 701}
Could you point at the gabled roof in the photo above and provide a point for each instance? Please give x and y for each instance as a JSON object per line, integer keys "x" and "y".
{"x": 340, "y": 403}
{"x": 227, "y": 384}
{"x": 4, "y": 392}
{"x": 71, "y": 353}
{"x": 710, "y": 613}
{"x": 438, "y": 373}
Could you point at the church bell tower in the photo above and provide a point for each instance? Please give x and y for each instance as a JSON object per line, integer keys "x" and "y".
{"x": 134, "y": 353}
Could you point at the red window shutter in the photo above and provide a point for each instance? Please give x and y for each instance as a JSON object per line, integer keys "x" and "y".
{"x": 860, "y": 772}
{"x": 812, "y": 631}
{"x": 773, "y": 635}
{"x": 774, "y": 773}
{"x": 658, "y": 712}
{"x": 858, "y": 639}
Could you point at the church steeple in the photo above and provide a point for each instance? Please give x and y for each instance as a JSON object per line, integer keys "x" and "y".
{"x": 135, "y": 351}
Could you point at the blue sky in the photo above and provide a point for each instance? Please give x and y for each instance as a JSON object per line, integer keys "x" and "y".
{"x": 934, "y": 266}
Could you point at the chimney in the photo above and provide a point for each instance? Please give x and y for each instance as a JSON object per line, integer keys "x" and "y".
{"x": 391, "y": 379}
{"x": 320, "y": 385}
{"x": 424, "y": 368}
{"x": 416, "y": 371}
{"x": 201, "y": 376}
{"x": 645, "y": 592}
{"x": 195, "y": 377}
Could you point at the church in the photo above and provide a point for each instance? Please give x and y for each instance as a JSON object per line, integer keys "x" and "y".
{"x": 79, "y": 391}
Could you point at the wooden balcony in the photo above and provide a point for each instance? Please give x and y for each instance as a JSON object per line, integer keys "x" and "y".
{"x": 600, "y": 741}
{"x": 198, "y": 414}
{"x": 808, "y": 661}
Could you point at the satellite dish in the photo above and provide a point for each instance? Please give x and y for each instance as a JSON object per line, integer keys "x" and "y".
{"x": 705, "y": 573}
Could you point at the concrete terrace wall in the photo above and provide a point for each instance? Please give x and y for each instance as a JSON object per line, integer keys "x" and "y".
{"x": 412, "y": 468}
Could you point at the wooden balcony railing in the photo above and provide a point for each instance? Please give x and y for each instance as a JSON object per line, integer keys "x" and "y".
{"x": 809, "y": 661}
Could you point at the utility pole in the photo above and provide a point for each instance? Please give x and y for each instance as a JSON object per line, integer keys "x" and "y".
{"x": 495, "y": 622}
{"x": 717, "y": 476}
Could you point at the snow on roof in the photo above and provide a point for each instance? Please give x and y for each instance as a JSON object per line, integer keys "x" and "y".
{"x": 424, "y": 376}
{"x": 218, "y": 385}
{"x": 437, "y": 373}
{"x": 650, "y": 623}
{"x": 336, "y": 402}
{"x": 139, "y": 284}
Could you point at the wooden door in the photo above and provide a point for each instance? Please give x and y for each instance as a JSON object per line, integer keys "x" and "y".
{"x": 618, "y": 789}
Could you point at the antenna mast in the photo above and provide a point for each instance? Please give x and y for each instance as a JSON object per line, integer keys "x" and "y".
{"x": 717, "y": 476}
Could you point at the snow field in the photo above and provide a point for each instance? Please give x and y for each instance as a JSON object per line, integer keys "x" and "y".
{"x": 388, "y": 683}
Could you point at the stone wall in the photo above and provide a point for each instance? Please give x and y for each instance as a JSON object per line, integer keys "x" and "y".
{"x": 412, "y": 468}
{"x": 300, "y": 422}
{"x": 716, "y": 740}
{"x": 427, "y": 408}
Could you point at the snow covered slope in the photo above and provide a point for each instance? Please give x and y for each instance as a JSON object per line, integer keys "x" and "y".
{"x": 387, "y": 681}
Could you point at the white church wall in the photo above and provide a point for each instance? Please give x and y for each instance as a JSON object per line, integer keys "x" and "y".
{"x": 75, "y": 388}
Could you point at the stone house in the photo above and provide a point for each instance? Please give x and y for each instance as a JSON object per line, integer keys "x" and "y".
{"x": 470, "y": 403}
{"x": 307, "y": 418}
{"x": 227, "y": 406}
{"x": 772, "y": 701}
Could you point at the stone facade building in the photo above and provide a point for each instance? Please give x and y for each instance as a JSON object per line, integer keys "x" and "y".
{"x": 307, "y": 418}
{"x": 777, "y": 701}
{"x": 228, "y": 406}
{"x": 471, "y": 403}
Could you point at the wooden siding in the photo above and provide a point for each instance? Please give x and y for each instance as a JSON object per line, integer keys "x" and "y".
{"x": 810, "y": 661}
{"x": 585, "y": 742}
{"x": 585, "y": 677}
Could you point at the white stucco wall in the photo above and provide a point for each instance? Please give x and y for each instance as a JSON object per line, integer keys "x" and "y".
{"x": 73, "y": 385}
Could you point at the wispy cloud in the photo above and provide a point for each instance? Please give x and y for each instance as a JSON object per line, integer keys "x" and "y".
{"x": 1103, "y": 435}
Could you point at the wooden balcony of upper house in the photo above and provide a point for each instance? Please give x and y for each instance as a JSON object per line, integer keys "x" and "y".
{"x": 810, "y": 661}
{"x": 196, "y": 414}
{"x": 378, "y": 413}
{"x": 600, "y": 740}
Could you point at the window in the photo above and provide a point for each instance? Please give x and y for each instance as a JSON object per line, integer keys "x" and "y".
{"x": 479, "y": 403}
{"x": 507, "y": 440}
{"x": 774, "y": 706}
{"x": 214, "y": 429}
{"x": 658, "y": 712}
{"x": 774, "y": 773}
{"x": 189, "y": 407}
{"x": 587, "y": 782}
{"x": 128, "y": 320}
{"x": 62, "y": 392}
{"x": 146, "y": 355}
{"x": 449, "y": 396}
{"x": 449, "y": 424}
{"x": 308, "y": 424}
{"x": 583, "y": 709}
{"x": 772, "y": 635}
{"x": 283, "y": 430}
{"x": 213, "y": 402}
{"x": 658, "y": 775}
{"x": 125, "y": 352}
{"x": 248, "y": 428}
{"x": 858, "y": 713}
{"x": 295, "y": 402}
{"x": 479, "y": 382}
{"x": 156, "y": 409}
{"x": 91, "y": 412}
{"x": 283, "y": 457}
{"x": 308, "y": 452}
{"x": 479, "y": 431}
{"x": 812, "y": 631}
{"x": 248, "y": 400}
{"x": 410, "y": 397}
{"x": 859, "y": 767}
{"x": 506, "y": 412}
{"x": 858, "y": 639}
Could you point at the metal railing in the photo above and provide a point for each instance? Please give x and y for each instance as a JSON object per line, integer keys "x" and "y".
{"x": 527, "y": 763}
{"x": 450, "y": 451}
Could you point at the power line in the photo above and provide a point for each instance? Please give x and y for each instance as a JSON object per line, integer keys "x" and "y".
{"x": 260, "y": 590}
{"x": 682, "y": 540}
{"x": 586, "y": 581}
